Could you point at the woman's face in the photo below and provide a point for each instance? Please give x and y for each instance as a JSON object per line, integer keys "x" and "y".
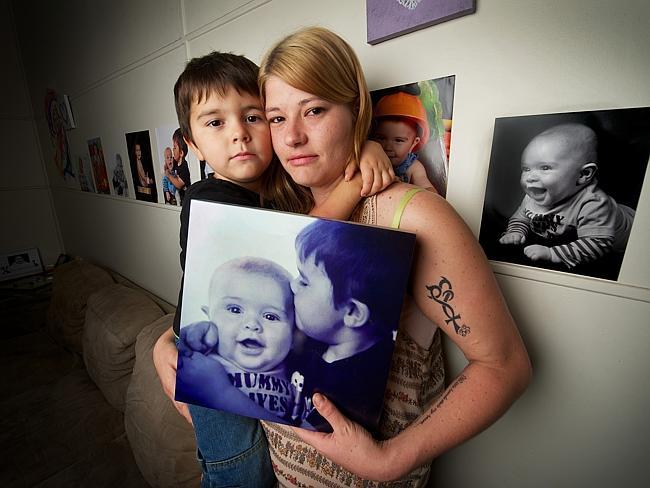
{"x": 311, "y": 136}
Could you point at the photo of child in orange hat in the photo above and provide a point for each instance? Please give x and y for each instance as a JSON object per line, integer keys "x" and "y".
{"x": 413, "y": 124}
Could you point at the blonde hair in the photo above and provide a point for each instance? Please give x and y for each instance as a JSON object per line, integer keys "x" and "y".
{"x": 318, "y": 61}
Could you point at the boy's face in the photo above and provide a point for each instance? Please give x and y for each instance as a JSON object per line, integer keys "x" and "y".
{"x": 397, "y": 138}
{"x": 169, "y": 159}
{"x": 313, "y": 300}
{"x": 138, "y": 152}
{"x": 254, "y": 316}
{"x": 177, "y": 154}
{"x": 232, "y": 135}
{"x": 550, "y": 170}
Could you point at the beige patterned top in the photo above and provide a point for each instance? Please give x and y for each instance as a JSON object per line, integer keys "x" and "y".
{"x": 416, "y": 379}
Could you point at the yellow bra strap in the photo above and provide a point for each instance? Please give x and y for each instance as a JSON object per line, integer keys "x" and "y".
{"x": 406, "y": 198}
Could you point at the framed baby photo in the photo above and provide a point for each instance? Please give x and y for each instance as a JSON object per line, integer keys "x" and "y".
{"x": 563, "y": 189}
{"x": 277, "y": 307}
{"x": 413, "y": 123}
{"x": 387, "y": 19}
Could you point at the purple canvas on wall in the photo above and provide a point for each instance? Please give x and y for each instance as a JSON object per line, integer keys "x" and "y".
{"x": 392, "y": 18}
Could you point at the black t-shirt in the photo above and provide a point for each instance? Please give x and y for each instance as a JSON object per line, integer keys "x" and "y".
{"x": 183, "y": 172}
{"x": 211, "y": 190}
{"x": 355, "y": 384}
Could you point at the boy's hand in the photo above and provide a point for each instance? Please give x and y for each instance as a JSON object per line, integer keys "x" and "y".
{"x": 376, "y": 170}
{"x": 200, "y": 336}
{"x": 537, "y": 252}
{"x": 512, "y": 238}
{"x": 349, "y": 445}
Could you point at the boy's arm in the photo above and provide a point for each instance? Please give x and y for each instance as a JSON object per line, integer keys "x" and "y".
{"x": 376, "y": 169}
{"x": 204, "y": 380}
{"x": 419, "y": 176}
{"x": 376, "y": 174}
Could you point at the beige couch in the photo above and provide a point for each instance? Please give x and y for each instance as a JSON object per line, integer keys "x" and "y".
{"x": 81, "y": 404}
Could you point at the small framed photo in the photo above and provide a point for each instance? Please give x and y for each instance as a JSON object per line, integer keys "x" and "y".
{"x": 23, "y": 262}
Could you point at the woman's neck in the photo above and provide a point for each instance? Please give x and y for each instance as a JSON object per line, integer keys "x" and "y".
{"x": 321, "y": 193}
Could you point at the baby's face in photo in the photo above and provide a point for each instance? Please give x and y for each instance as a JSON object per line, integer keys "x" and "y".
{"x": 169, "y": 159}
{"x": 316, "y": 314}
{"x": 254, "y": 315}
{"x": 550, "y": 169}
{"x": 397, "y": 138}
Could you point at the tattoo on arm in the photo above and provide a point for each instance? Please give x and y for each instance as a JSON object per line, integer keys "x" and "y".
{"x": 461, "y": 379}
{"x": 443, "y": 294}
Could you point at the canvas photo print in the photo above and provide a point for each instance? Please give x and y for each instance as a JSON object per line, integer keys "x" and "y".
{"x": 413, "y": 123}
{"x": 96, "y": 152}
{"x": 387, "y": 19}
{"x": 278, "y": 306}
{"x": 141, "y": 163}
{"x": 563, "y": 189}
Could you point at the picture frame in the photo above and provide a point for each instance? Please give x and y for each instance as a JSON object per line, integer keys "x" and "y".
{"x": 257, "y": 282}
{"x": 20, "y": 263}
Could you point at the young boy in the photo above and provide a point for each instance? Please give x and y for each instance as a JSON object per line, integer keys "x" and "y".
{"x": 336, "y": 304}
{"x": 250, "y": 333}
{"x": 563, "y": 207}
{"x": 169, "y": 190}
{"x": 402, "y": 129}
{"x": 222, "y": 120}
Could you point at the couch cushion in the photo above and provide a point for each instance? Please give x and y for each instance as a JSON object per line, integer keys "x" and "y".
{"x": 114, "y": 317}
{"x": 74, "y": 282}
{"x": 162, "y": 441}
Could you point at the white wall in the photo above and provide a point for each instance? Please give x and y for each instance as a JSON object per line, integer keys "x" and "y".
{"x": 583, "y": 422}
{"x": 29, "y": 219}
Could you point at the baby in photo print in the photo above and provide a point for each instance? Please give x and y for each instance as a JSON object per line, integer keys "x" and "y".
{"x": 249, "y": 331}
{"x": 565, "y": 218}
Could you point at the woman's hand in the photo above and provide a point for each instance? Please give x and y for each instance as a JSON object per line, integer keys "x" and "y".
{"x": 165, "y": 357}
{"x": 376, "y": 169}
{"x": 349, "y": 445}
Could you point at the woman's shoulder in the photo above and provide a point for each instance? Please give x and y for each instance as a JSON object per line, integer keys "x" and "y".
{"x": 412, "y": 201}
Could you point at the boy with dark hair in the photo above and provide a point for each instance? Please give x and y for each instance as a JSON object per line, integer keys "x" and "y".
{"x": 222, "y": 120}
{"x": 344, "y": 296}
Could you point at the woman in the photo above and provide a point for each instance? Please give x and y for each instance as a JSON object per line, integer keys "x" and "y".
{"x": 319, "y": 110}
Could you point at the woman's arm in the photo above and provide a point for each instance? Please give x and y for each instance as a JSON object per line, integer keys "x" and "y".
{"x": 165, "y": 358}
{"x": 453, "y": 285}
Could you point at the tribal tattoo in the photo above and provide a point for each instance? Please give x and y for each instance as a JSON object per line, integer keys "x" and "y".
{"x": 443, "y": 294}
{"x": 461, "y": 379}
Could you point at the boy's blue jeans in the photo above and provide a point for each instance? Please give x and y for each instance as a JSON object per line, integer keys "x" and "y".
{"x": 231, "y": 449}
